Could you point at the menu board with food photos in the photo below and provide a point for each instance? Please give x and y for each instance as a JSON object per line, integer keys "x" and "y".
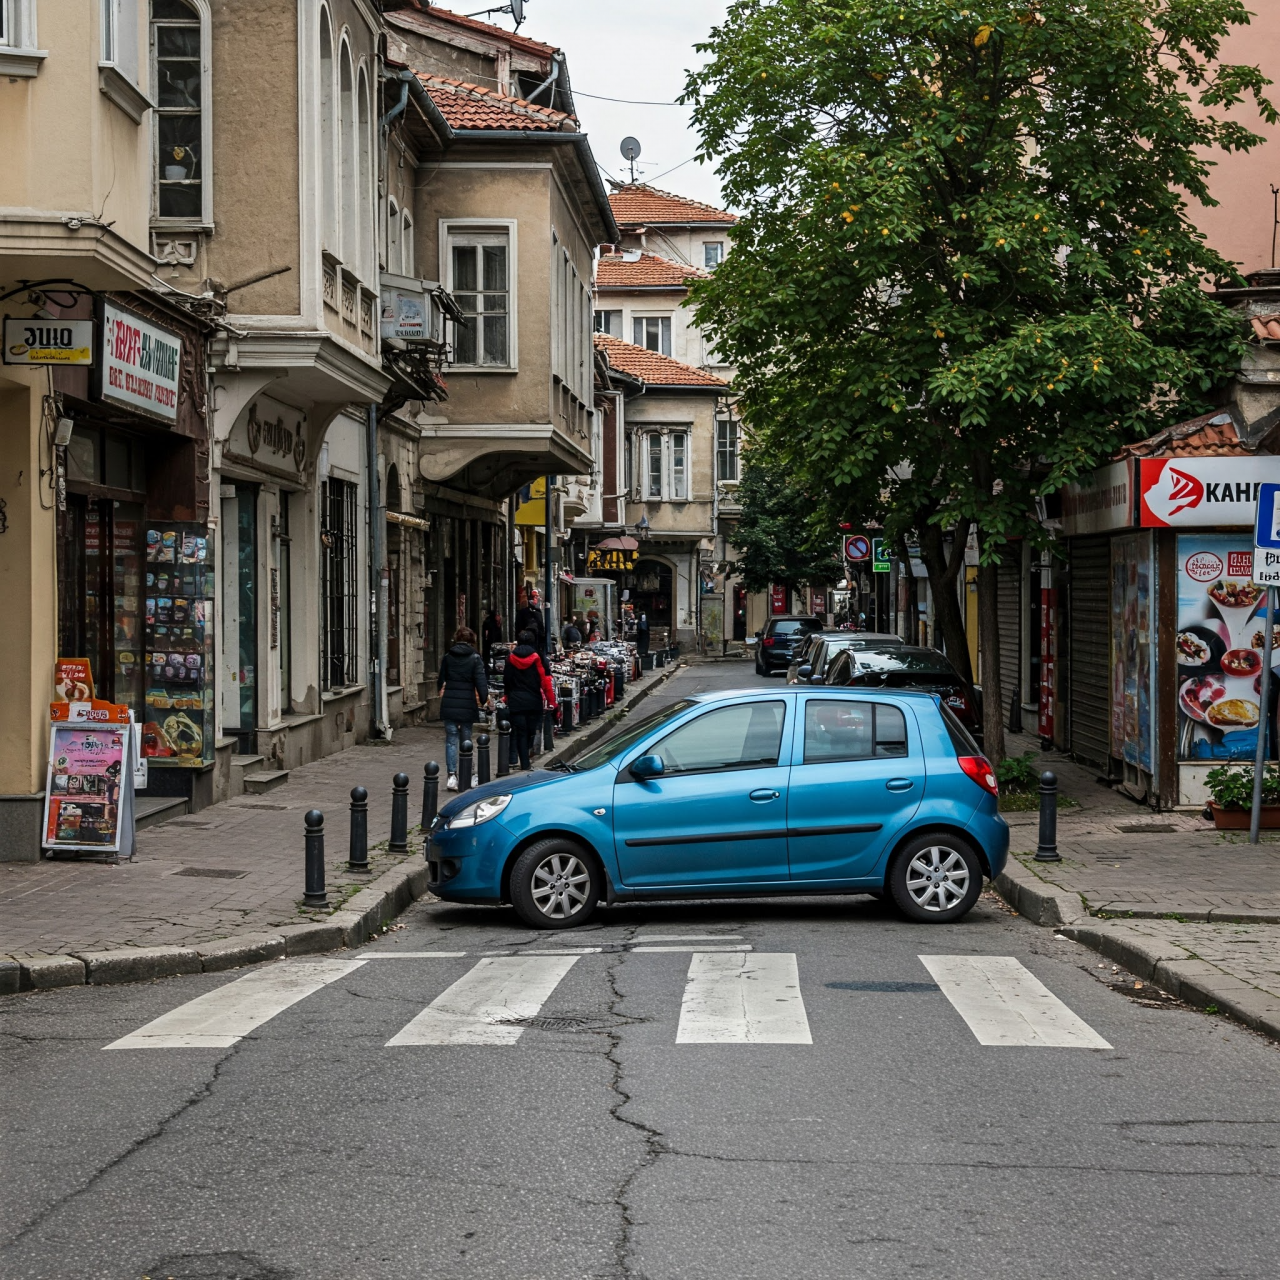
{"x": 1221, "y": 620}
{"x": 178, "y": 728}
{"x": 90, "y": 784}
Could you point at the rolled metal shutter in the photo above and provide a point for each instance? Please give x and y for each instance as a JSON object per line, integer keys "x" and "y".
{"x": 1009, "y": 607}
{"x": 1089, "y": 651}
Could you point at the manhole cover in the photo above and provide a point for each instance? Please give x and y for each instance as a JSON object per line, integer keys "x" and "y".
{"x": 211, "y": 873}
{"x": 553, "y": 1022}
{"x": 257, "y": 804}
{"x": 1140, "y": 828}
{"x": 906, "y": 987}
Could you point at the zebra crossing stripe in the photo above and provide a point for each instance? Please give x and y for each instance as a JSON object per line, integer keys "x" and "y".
{"x": 219, "y": 1018}
{"x": 740, "y": 998}
{"x": 1004, "y": 1003}
{"x": 489, "y": 1002}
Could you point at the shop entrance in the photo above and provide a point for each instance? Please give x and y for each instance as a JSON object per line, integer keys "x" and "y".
{"x": 240, "y": 615}
{"x": 651, "y": 595}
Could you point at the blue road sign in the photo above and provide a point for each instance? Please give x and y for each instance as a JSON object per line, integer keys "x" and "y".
{"x": 1267, "y": 526}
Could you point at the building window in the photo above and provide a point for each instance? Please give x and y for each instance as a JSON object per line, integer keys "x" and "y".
{"x": 366, "y": 253}
{"x": 406, "y": 244}
{"x": 20, "y": 58}
{"x": 679, "y": 466}
{"x": 328, "y": 137}
{"x": 120, "y": 37}
{"x": 726, "y": 448}
{"x": 110, "y": 29}
{"x": 479, "y": 278}
{"x": 179, "y": 92}
{"x": 339, "y": 566}
{"x": 393, "y": 237}
{"x": 653, "y": 332}
{"x": 348, "y": 173}
{"x": 653, "y": 473}
{"x": 609, "y": 322}
{"x": 712, "y": 253}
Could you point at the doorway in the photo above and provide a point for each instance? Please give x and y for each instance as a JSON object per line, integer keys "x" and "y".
{"x": 240, "y": 615}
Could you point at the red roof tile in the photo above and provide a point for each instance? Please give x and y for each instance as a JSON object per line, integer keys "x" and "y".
{"x": 471, "y": 106}
{"x": 626, "y": 271}
{"x": 1212, "y": 435}
{"x": 636, "y": 204}
{"x": 653, "y": 368}
{"x": 414, "y": 20}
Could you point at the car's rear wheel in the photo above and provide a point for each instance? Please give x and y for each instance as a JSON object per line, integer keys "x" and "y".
{"x": 760, "y": 667}
{"x": 936, "y": 877}
{"x": 555, "y": 885}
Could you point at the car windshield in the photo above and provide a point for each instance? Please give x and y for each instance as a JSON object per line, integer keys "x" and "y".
{"x": 905, "y": 661}
{"x": 620, "y": 741}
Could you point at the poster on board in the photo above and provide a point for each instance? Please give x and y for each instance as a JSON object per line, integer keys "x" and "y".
{"x": 89, "y": 786}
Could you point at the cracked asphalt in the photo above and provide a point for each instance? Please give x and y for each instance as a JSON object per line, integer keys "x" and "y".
{"x": 894, "y": 1145}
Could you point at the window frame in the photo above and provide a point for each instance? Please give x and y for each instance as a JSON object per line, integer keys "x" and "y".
{"x": 340, "y": 584}
{"x": 663, "y": 320}
{"x": 652, "y": 748}
{"x": 19, "y": 56}
{"x": 707, "y": 246}
{"x": 678, "y": 477}
{"x": 605, "y": 313}
{"x": 801, "y": 758}
{"x": 203, "y": 222}
{"x": 728, "y": 449}
{"x": 461, "y": 231}
{"x": 666, "y": 437}
{"x": 395, "y": 259}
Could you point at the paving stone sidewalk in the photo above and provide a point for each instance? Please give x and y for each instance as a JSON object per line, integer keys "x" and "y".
{"x": 236, "y": 868}
{"x": 1195, "y": 910}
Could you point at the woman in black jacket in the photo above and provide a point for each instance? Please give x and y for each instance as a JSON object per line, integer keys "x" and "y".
{"x": 526, "y": 687}
{"x": 463, "y": 689}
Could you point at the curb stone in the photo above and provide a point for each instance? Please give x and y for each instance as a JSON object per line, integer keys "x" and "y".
{"x": 1040, "y": 902}
{"x": 43, "y": 973}
{"x": 232, "y": 953}
{"x": 138, "y": 964}
{"x": 10, "y": 976}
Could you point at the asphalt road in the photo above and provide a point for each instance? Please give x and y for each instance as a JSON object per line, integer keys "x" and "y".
{"x": 606, "y": 1138}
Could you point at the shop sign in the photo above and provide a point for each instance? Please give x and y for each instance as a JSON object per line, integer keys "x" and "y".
{"x": 597, "y": 559}
{"x": 777, "y": 598}
{"x": 406, "y": 310}
{"x": 141, "y": 364}
{"x": 819, "y": 601}
{"x": 1191, "y": 492}
{"x": 73, "y": 679}
{"x": 879, "y": 556}
{"x": 271, "y": 436}
{"x": 89, "y": 786}
{"x": 1048, "y": 660}
{"x": 1100, "y": 502}
{"x": 33, "y": 341}
{"x": 1218, "y": 647}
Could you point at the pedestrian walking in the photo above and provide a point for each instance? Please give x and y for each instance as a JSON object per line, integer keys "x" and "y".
{"x": 528, "y": 689}
{"x": 570, "y": 635}
{"x": 464, "y": 690}
{"x": 490, "y": 633}
{"x": 642, "y": 634}
{"x": 529, "y": 618}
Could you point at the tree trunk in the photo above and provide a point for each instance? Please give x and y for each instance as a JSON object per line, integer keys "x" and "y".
{"x": 943, "y": 573}
{"x": 989, "y": 640}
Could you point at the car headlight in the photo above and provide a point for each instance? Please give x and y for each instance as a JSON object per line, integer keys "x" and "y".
{"x": 474, "y": 814}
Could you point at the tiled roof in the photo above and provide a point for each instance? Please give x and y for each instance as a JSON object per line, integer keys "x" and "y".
{"x": 1266, "y": 328}
{"x": 406, "y": 18}
{"x": 648, "y": 270}
{"x": 1212, "y": 435}
{"x": 635, "y": 205}
{"x": 471, "y": 106}
{"x": 651, "y": 367}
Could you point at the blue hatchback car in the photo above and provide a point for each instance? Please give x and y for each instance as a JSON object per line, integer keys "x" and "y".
{"x": 737, "y": 794}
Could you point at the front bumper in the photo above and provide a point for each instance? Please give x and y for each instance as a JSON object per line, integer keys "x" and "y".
{"x": 466, "y": 865}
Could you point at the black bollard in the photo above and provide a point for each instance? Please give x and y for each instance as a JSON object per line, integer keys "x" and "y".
{"x": 358, "y": 854}
{"x": 504, "y": 748}
{"x": 586, "y": 705}
{"x": 464, "y": 765}
{"x": 482, "y": 758}
{"x": 1047, "y": 848}
{"x": 430, "y": 792}
{"x": 399, "y": 842}
{"x": 313, "y": 894}
{"x": 566, "y": 713}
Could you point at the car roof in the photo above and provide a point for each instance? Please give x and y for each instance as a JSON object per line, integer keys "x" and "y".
{"x": 792, "y": 691}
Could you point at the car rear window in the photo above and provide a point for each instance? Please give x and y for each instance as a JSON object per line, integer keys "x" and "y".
{"x": 790, "y": 626}
{"x": 959, "y": 735}
{"x": 842, "y": 729}
{"x": 922, "y": 662}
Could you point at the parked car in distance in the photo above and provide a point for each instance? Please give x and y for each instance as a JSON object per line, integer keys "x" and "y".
{"x": 904, "y": 666}
{"x": 778, "y": 637}
{"x": 754, "y": 792}
{"x": 822, "y": 646}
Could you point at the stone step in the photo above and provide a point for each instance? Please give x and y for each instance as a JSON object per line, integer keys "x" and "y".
{"x": 265, "y": 780}
{"x": 247, "y": 763}
{"x": 149, "y": 811}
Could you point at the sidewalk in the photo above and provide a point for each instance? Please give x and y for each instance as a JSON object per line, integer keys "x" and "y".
{"x": 223, "y": 887}
{"x": 1194, "y": 910}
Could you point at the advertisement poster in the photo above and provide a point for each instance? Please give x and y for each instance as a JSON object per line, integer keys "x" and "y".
{"x": 141, "y": 363}
{"x": 89, "y": 786}
{"x": 1131, "y": 650}
{"x": 72, "y": 680}
{"x": 777, "y": 598}
{"x": 1202, "y": 491}
{"x": 1219, "y": 647}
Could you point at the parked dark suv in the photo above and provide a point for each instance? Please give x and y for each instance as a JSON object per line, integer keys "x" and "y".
{"x": 777, "y": 638}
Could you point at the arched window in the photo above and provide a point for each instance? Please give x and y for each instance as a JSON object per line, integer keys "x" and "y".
{"x": 328, "y": 138}
{"x": 406, "y": 245}
{"x": 347, "y": 173}
{"x": 366, "y": 242}
{"x": 393, "y": 238}
{"x": 179, "y": 42}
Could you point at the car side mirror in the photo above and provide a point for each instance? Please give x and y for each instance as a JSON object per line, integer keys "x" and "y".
{"x": 647, "y": 767}
{"x": 759, "y": 634}
{"x": 804, "y": 672}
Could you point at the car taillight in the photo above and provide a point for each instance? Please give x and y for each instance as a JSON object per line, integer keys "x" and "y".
{"x": 980, "y": 770}
{"x": 767, "y": 642}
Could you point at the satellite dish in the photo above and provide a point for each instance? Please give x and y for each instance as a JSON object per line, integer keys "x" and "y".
{"x": 630, "y": 148}
{"x": 517, "y": 11}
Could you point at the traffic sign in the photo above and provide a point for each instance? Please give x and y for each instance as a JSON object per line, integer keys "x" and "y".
{"x": 879, "y": 556}
{"x": 857, "y": 547}
{"x": 1266, "y": 537}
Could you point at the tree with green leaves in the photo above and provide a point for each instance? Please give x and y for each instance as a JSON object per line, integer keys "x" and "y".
{"x": 965, "y": 270}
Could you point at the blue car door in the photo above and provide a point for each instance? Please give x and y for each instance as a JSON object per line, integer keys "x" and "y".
{"x": 717, "y": 815}
{"x": 857, "y": 779}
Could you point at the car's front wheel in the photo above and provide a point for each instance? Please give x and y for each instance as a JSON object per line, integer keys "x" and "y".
{"x": 936, "y": 877}
{"x": 554, "y": 885}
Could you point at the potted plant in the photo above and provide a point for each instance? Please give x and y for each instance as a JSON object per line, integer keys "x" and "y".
{"x": 1231, "y": 789}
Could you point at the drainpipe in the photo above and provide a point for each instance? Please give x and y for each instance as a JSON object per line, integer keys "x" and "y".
{"x": 404, "y": 78}
{"x": 378, "y": 584}
{"x": 556, "y": 59}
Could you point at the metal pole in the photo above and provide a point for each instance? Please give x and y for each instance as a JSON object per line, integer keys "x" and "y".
{"x": 430, "y": 792}
{"x": 377, "y": 580}
{"x": 482, "y": 758}
{"x": 464, "y": 765}
{"x": 546, "y": 603}
{"x": 1047, "y": 848}
{"x": 358, "y": 853}
{"x": 313, "y": 894}
{"x": 399, "y": 842}
{"x": 504, "y": 748}
{"x": 1264, "y": 721}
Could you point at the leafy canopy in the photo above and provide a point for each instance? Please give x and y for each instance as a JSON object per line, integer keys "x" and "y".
{"x": 965, "y": 250}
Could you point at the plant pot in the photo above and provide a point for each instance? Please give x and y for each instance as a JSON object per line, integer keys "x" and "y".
{"x": 1238, "y": 819}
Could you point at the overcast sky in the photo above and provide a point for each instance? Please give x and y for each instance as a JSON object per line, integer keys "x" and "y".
{"x": 637, "y": 49}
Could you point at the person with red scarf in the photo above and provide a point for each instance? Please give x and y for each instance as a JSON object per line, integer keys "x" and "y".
{"x": 527, "y": 688}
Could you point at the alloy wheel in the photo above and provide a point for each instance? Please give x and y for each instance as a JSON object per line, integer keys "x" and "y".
{"x": 937, "y": 878}
{"x": 560, "y": 886}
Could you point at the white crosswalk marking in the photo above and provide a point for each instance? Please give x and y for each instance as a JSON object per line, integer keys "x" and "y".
{"x": 735, "y": 998}
{"x": 1004, "y": 1003}
{"x": 220, "y": 1018}
{"x": 486, "y": 1005}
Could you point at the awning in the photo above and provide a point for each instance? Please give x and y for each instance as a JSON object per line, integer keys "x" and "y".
{"x": 618, "y": 544}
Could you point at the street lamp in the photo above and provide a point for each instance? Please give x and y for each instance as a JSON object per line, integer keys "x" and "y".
{"x": 642, "y": 527}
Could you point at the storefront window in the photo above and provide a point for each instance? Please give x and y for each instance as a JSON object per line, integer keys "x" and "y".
{"x": 339, "y": 560}
{"x": 1219, "y": 647}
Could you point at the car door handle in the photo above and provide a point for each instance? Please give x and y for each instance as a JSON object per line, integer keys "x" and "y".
{"x": 899, "y": 784}
{"x": 764, "y": 793}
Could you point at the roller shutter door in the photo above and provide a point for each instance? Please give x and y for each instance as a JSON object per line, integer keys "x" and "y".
{"x": 1009, "y": 607}
{"x": 1089, "y": 651}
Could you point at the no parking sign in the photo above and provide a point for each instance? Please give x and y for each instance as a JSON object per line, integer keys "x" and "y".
{"x": 857, "y": 547}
